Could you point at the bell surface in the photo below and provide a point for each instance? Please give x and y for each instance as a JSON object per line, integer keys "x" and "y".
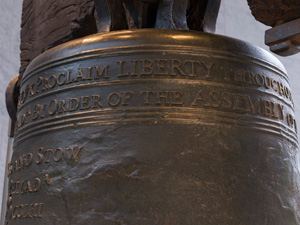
{"x": 155, "y": 126}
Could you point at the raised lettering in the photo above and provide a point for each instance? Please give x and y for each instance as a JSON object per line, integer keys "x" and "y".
{"x": 199, "y": 98}
{"x": 73, "y": 154}
{"x": 114, "y": 99}
{"x": 102, "y": 73}
{"x": 61, "y": 154}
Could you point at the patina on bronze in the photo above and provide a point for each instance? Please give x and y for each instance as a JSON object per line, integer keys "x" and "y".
{"x": 154, "y": 126}
{"x": 283, "y": 16}
{"x": 115, "y": 15}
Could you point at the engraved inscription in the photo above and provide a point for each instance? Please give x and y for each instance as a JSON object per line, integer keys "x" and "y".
{"x": 203, "y": 98}
{"x": 166, "y": 68}
{"x": 69, "y": 105}
{"x": 56, "y": 155}
{"x": 42, "y": 84}
{"x": 167, "y": 98}
{"x": 25, "y": 211}
{"x": 142, "y": 68}
{"x": 256, "y": 79}
{"x": 243, "y": 103}
{"x": 28, "y": 186}
{"x": 56, "y": 107}
{"x": 44, "y": 155}
{"x": 116, "y": 99}
{"x": 20, "y": 163}
{"x": 172, "y": 69}
{"x": 35, "y": 184}
{"x": 148, "y": 68}
{"x": 239, "y": 103}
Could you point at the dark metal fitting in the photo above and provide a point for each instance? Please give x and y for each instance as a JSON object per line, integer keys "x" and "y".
{"x": 11, "y": 97}
{"x": 284, "y": 39}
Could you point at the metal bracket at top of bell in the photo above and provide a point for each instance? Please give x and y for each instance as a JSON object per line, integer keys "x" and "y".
{"x": 173, "y": 14}
{"x": 283, "y": 16}
{"x": 284, "y": 39}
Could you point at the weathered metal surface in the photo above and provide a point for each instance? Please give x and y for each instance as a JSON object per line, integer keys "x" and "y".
{"x": 284, "y": 39}
{"x": 172, "y": 14}
{"x": 275, "y": 12}
{"x": 211, "y": 15}
{"x": 110, "y": 15}
{"x": 155, "y": 127}
{"x": 182, "y": 14}
{"x": 48, "y": 23}
{"x": 11, "y": 98}
{"x": 202, "y": 15}
{"x": 284, "y": 17}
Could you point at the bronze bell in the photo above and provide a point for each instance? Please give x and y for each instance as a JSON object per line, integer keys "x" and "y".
{"x": 155, "y": 126}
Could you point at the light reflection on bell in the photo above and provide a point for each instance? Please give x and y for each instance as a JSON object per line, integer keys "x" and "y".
{"x": 155, "y": 127}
